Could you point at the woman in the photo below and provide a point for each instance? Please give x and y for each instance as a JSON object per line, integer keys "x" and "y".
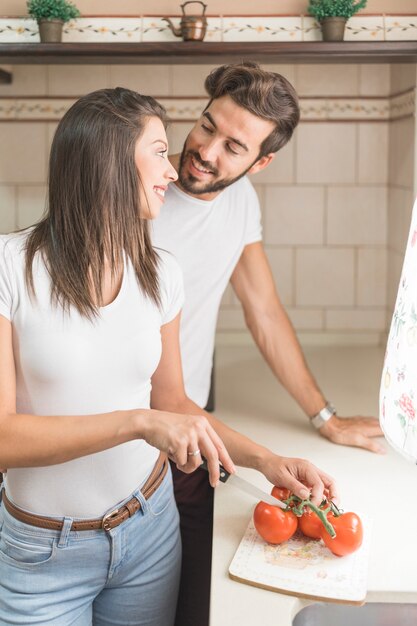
{"x": 83, "y": 299}
{"x": 89, "y": 319}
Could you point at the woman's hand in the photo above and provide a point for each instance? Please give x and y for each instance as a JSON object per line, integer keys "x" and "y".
{"x": 186, "y": 438}
{"x": 299, "y": 476}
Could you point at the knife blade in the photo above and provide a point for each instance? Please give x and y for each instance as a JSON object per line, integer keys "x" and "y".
{"x": 246, "y": 486}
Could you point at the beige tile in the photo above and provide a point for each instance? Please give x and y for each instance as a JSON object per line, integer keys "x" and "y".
{"x": 372, "y": 277}
{"x": 156, "y": 29}
{"x": 23, "y": 153}
{"x": 227, "y": 300}
{"x": 365, "y": 28}
{"x": 327, "y": 80}
{"x": 281, "y": 261}
{"x": 28, "y": 80}
{"x": 357, "y": 215}
{"x": 262, "y": 28}
{"x": 374, "y": 80}
{"x": 356, "y": 319}
{"x": 288, "y": 71}
{"x": 401, "y": 152}
{"x": 151, "y": 80}
{"x": 325, "y": 153}
{"x": 401, "y": 27}
{"x": 177, "y": 134}
{"x": 403, "y": 77}
{"x": 281, "y": 168}
{"x": 400, "y": 204}
{"x": 30, "y": 204}
{"x": 373, "y": 153}
{"x": 231, "y": 319}
{"x": 76, "y": 80}
{"x": 7, "y": 208}
{"x": 306, "y": 319}
{"x": 189, "y": 81}
{"x": 311, "y": 29}
{"x": 325, "y": 277}
{"x": 395, "y": 264}
{"x": 51, "y": 132}
{"x": 103, "y": 29}
{"x": 261, "y": 193}
{"x": 294, "y": 215}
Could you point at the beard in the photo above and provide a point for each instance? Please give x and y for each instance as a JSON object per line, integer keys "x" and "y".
{"x": 193, "y": 185}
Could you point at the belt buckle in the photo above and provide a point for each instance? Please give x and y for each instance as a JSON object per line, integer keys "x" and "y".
{"x": 107, "y": 519}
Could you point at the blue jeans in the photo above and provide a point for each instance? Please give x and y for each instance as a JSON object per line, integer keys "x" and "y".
{"x": 129, "y": 575}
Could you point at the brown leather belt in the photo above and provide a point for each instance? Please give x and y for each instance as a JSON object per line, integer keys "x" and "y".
{"x": 109, "y": 521}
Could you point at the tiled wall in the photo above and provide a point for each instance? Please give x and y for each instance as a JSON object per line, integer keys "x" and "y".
{"x": 325, "y": 210}
{"x": 402, "y": 181}
{"x": 327, "y": 198}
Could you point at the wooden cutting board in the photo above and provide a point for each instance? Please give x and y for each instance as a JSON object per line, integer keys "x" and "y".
{"x": 303, "y": 567}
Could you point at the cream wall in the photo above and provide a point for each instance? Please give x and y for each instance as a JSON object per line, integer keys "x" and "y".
{"x": 215, "y": 7}
{"x": 325, "y": 211}
{"x": 402, "y": 181}
{"x": 324, "y": 198}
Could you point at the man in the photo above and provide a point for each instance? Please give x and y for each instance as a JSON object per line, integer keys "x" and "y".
{"x": 211, "y": 223}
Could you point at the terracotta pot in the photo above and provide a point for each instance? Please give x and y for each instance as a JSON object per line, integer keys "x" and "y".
{"x": 333, "y": 28}
{"x": 50, "y": 31}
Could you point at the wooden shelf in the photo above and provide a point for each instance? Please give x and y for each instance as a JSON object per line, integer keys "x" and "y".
{"x": 201, "y": 52}
{"x": 5, "y": 77}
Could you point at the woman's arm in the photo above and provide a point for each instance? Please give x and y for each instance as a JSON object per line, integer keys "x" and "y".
{"x": 36, "y": 440}
{"x": 168, "y": 394}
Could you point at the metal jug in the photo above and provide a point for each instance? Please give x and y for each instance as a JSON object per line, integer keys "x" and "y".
{"x": 192, "y": 27}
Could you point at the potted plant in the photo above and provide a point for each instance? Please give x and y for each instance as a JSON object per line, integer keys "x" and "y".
{"x": 51, "y": 15}
{"x": 333, "y": 15}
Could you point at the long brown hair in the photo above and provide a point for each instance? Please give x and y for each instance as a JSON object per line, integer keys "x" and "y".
{"x": 93, "y": 202}
{"x": 265, "y": 94}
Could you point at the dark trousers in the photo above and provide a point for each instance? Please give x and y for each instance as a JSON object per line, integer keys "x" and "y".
{"x": 194, "y": 497}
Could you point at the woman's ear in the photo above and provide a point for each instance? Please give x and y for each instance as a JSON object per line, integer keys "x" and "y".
{"x": 262, "y": 163}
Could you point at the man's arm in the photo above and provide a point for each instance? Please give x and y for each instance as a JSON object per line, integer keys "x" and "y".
{"x": 168, "y": 394}
{"x": 275, "y": 337}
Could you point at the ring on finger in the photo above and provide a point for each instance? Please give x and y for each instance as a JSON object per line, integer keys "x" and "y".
{"x": 194, "y": 453}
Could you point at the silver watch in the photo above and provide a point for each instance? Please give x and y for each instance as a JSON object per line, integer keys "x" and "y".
{"x": 323, "y": 416}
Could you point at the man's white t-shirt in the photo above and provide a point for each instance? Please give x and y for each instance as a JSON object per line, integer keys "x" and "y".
{"x": 207, "y": 239}
{"x": 68, "y": 365}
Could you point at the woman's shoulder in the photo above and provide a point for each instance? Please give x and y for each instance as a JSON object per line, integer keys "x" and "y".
{"x": 168, "y": 266}
{"x": 15, "y": 241}
{"x": 13, "y": 245}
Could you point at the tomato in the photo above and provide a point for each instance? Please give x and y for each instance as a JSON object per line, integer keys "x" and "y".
{"x": 282, "y": 493}
{"x": 349, "y": 534}
{"x": 274, "y": 524}
{"x": 310, "y": 524}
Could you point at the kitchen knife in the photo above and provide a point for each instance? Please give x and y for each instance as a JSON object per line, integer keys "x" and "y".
{"x": 246, "y": 486}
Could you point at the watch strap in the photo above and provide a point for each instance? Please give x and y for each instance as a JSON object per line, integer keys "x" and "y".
{"x": 323, "y": 416}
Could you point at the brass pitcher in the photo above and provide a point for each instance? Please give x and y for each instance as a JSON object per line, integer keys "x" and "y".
{"x": 192, "y": 27}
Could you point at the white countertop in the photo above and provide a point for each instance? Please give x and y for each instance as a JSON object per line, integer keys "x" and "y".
{"x": 249, "y": 399}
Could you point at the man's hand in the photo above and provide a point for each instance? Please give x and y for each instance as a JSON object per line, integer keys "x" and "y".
{"x": 299, "y": 476}
{"x": 354, "y": 431}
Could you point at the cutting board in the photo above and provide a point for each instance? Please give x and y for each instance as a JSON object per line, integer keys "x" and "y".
{"x": 303, "y": 567}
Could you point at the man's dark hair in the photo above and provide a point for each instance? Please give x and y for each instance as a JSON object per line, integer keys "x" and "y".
{"x": 265, "y": 94}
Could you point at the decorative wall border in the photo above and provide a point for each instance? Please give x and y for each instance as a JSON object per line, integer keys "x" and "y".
{"x": 220, "y": 28}
{"x": 51, "y": 109}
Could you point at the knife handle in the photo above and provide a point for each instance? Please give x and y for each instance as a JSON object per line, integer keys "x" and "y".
{"x": 224, "y": 474}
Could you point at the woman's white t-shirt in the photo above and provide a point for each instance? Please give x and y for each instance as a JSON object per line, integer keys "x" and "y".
{"x": 68, "y": 365}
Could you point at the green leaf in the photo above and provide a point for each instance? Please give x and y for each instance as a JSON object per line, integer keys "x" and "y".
{"x": 52, "y": 10}
{"x": 321, "y": 9}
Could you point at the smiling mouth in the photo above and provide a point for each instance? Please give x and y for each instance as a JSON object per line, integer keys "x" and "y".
{"x": 196, "y": 165}
{"x": 160, "y": 192}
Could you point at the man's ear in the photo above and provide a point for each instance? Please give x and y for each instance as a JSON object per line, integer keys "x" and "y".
{"x": 262, "y": 163}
